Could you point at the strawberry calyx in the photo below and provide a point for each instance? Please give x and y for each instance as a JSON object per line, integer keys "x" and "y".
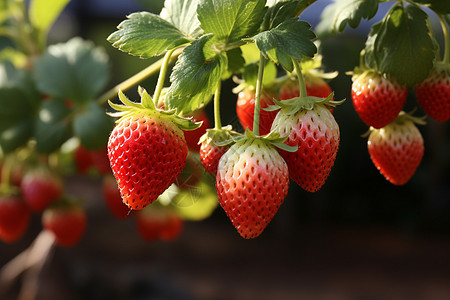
{"x": 293, "y": 105}
{"x": 272, "y": 138}
{"x": 221, "y": 137}
{"x": 147, "y": 107}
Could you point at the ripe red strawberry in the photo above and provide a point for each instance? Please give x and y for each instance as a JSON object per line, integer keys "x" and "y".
{"x": 40, "y": 187}
{"x": 83, "y": 159}
{"x": 146, "y": 149}
{"x": 14, "y": 218}
{"x": 252, "y": 181}
{"x": 376, "y": 99}
{"x": 154, "y": 224}
{"x": 433, "y": 95}
{"x": 100, "y": 161}
{"x": 113, "y": 199}
{"x": 67, "y": 222}
{"x": 316, "y": 134}
{"x": 397, "y": 149}
{"x": 193, "y": 136}
{"x": 245, "y": 109}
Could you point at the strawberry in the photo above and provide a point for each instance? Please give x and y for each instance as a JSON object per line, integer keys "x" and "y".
{"x": 83, "y": 159}
{"x": 377, "y": 99}
{"x": 146, "y": 149}
{"x": 113, "y": 199}
{"x": 67, "y": 221}
{"x": 311, "y": 127}
{"x": 14, "y": 218}
{"x": 433, "y": 94}
{"x": 252, "y": 181}
{"x": 397, "y": 149}
{"x": 245, "y": 109}
{"x": 40, "y": 187}
{"x": 158, "y": 223}
{"x": 100, "y": 161}
{"x": 193, "y": 136}
{"x": 210, "y": 152}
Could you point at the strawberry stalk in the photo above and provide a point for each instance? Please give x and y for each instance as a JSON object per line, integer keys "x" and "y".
{"x": 217, "y": 120}
{"x": 301, "y": 80}
{"x": 162, "y": 77}
{"x": 258, "y": 94}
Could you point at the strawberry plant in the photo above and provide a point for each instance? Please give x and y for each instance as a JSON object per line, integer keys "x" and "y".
{"x": 56, "y": 113}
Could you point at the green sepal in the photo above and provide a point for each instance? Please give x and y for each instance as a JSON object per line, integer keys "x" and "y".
{"x": 221, "y": 137}
{"x": 272, "y": 138}
{"x": 147, "y": 106}
{"x": 293, "y": 105}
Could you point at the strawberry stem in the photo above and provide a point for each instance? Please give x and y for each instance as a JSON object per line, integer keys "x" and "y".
{"x": 446, "y": 59}
{"x": 301, "y": 80}
{"x": 135, "y": 79}
{"x": 258, "y": 94}
{"x": 217, "y": 121}
{"x": 162, "y": 77}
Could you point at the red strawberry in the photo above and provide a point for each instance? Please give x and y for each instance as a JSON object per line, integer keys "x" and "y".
{"x": 14, "y": 218}
{"x": 100, "y": 161}
{"x": 156, "y": 223}
{"x": 210, "y": 152}
{"x": 67, "y": 222}
{"x": 433, "y": 95}
{"x": 193, "y": 136}
{"x": 252, "y": 181}
{"x": 397, "y": 149}
{"x": 40, "y": 187}
{"x": 113, "y": 199}
{"x": 316, "y": 133}
{"x": 376, "y": 99}
{"x": 245, "y": 109}
{"x": 83, "y": 159}
{"x": 146, "y": 149}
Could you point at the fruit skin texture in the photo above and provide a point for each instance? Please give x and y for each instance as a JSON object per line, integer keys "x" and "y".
{"x": 155, "y": 224}
{"x": 396, "y": 150}
{"x": 376, "y": 99}
{"x": 68, "y": 224}
{"x": 317, "y": 136}
{"x": 245, "y": 110}
{"x": 40, "y": 187}
{"x": 210, "y": 155}
{"x": 113, "y": 199}
{"x": 192, "y": 136}
{"x": 147, "y": 153}
{"x": 252, "y": 181}
{"x": 433, "y": 95}
{"x": 14, "y": 218}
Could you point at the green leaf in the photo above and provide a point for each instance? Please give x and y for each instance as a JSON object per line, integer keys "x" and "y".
{"x": 236, "y": 62}
{"x": 16, "y": 136}
{"x": 74, "y": 70}
{"x": 250, "y": 74}
{"x": 337, "y": 15}
{"x": 52, "y": 126}
{"x": 280, "y": 11}
{"x": 194, "y": 79}
{"x": 290, "y": 39}
{"x": 401, "y": 45}
{"x": 93, "y": 127}
{"x": 146, "y": 35}
{"x": 183, "y": 15}
{"x": 231, "y": 20}
{"x": 43, "y": 13}
{"x": 439, "y": 6}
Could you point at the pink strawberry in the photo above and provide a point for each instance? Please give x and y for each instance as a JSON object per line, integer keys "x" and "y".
{"x": 113, "y": 199}
{"x": 100, "y": 161}
{"x": 40, "y": 187}
{"x": 397, "y": 149}
{"x": 66, "y": 221}
{"x": 158, "y": 223}
{"x": 433, "y": 94}
{"x": 82, "y": 158}
{"x": 315, "y": 131}
{"x": 377, "y": 99}
{"x": 14, "y": 218}
{"x": 252, "y": 181}
{"x": 146, "y": 149}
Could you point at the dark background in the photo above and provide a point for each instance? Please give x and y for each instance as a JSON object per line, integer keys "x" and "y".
{"x": 359, "y": 237}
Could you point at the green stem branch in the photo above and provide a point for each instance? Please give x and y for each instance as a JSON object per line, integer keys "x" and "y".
{"x": 258, "y": 94}
{"x": 217, "y": 120}
{"x": 135, "y": 79}
{"x": 162, "y": 76}
{"x": 301, "y": 80}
